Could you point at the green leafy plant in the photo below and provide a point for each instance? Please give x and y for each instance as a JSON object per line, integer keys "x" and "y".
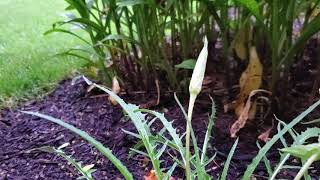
{"x": 274, "y": 139}
{"x": 85, "y": 171}
{"x": 150, "y": 141}
{"x": 307, "y": 153}
{"x": 135, "y": 40}
{"x": 105, "y": 151}
{"x": 299, "y": 139}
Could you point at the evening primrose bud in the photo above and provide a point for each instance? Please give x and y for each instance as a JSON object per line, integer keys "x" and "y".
{"x": 199, "y": 70}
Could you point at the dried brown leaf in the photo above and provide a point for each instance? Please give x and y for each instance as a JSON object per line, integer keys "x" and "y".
{"x": 240, "y": 43}
{"x": 247, "y": 112}
{"x": 265, "y": 136}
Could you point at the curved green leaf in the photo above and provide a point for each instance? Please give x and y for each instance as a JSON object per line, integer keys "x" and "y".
{"x": 80, "y": 6}
{"x": 105, "y": 151}
{"x": 67, "y": 32}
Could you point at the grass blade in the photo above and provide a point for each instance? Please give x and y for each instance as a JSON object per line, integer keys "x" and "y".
{"x": 208, "y": 133}
{"x": 227, "y": 164}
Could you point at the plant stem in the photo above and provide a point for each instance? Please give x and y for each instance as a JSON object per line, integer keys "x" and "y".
{"x": 306, "y": 166}
{"x": 188, "y": 132}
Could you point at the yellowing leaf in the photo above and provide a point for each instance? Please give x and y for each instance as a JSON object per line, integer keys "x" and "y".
{"x": 250, "y": 80}
{"x": 240, "y": 43}
{"x": 116, "y": 89}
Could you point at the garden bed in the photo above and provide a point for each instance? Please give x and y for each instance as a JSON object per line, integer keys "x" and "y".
{"x": 20, "y": 133}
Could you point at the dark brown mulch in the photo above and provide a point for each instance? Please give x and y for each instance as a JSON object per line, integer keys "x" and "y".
{"x": 93, "y": 114}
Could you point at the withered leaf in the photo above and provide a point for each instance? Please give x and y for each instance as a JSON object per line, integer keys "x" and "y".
{"x": 265, "y": 136}
{"x": 248, "y": 111}
{"x": 250, "y": 80}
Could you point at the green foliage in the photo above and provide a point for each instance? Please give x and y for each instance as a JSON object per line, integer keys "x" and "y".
{"x": 140, "y": 40}
{"x": 253, "y": 7}
{"x": 274, "y": 139}
{"x": 187, "y": 64}
{"x": 85, "y": 171}
{"x": 299, "y": 139}
{"x": 131, "y": 37}
{"x": 307, "y": 153}
{"x": 105, "y": 151}
{"x": 153, "y": 142}
{"x": 304, "y": 151}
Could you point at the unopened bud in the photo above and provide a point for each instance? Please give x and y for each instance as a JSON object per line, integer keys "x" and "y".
{"x": 199, "y": 70}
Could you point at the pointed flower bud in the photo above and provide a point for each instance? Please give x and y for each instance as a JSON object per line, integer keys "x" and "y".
{"x": 199, "y": 70}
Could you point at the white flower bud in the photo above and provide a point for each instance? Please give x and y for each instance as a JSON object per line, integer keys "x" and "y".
{"x": 199, "y": 70}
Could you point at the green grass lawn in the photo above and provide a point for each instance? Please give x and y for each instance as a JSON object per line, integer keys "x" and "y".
{"x": 28, "y": 66}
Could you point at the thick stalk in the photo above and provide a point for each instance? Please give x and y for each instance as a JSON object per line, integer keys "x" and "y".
{"x": 306, "y": 166}
{"x": 188, "y": 132}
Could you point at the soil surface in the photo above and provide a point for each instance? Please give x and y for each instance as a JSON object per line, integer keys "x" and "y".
{"x": 20, "y": 133}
